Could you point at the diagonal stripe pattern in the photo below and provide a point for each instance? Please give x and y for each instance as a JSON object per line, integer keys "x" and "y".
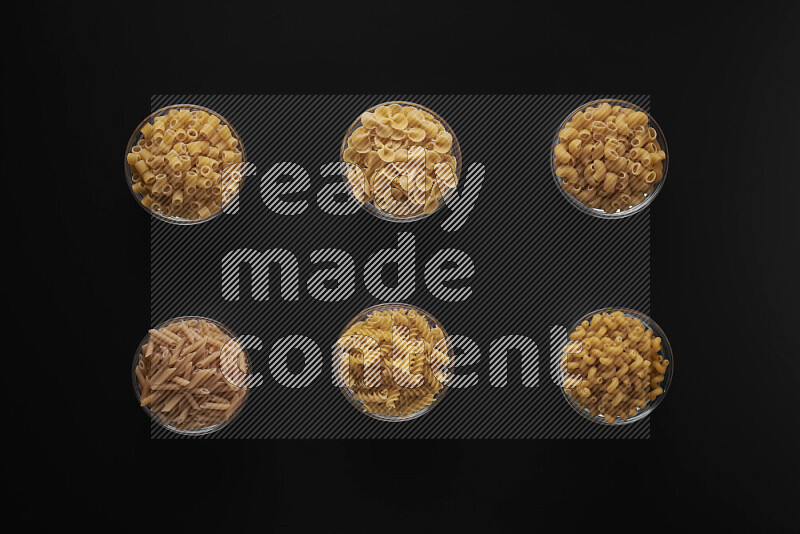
{"x": 537, "y": 264}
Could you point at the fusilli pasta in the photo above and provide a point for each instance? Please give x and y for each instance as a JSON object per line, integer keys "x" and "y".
{"x": 394, "y": 362}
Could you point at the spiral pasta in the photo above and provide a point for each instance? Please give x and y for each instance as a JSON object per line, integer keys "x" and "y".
{"x": 393, "y": 362}
{"x": 608, "y": 157}
{"x": 187, "y": 165}
{"x": 613, "y": 366}
{"x": 401, "y": 159}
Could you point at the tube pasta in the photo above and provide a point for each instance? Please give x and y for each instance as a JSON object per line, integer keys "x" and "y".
{"x": 607, "y": 366}
{"x": 175, "y": 385}
{"x": 393, "y": 362}
{"x": 189, "y": 151}
{"x": 608, "y": 157}
{"x": 401, "y": 159}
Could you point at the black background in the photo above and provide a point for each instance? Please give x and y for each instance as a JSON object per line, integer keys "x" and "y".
{"x": 723, "y": 81}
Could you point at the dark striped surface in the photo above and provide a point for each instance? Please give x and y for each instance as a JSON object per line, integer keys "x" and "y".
{"x": 539, "y": 264}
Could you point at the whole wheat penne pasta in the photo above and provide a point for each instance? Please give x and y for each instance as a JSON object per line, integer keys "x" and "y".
{"x": 180, "y": 365}
{"x": 170, "y": 404}
{"x": 177, "y": 351}
{"x": 191, "y": 401}
{"x": 163, "y": 335}
{"x": 174, "y": 327}
{"x": 140, "y": 377}
{"x": 182, "y": 417}
{"x": 191, "y": 335}
{"x": 216, "y": 387}
{"x": 166, "y": 387}
{"x": 163, "y": 376}
{"x": 179, "y": 378}
{"x": 214, "y": 331}
{"x": 216, "y": 342}
{"x": 195, "y": 346}
{"x": 208, "y": 359}
{"x": 234, "y": 404}
{"x": 200, "y": 376}
{"x": 151, "y": 398}
{"x": 215, "y": 406}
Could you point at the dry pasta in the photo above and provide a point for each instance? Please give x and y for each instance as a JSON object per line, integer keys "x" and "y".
{"x": 191, "y": 374}
{"x": 394, "y": 362}
{"x": 612, "y": 366}
{"x": 187, "y": 164}
{"x": 401, "y": 158}
{"x": 609, "y": 157}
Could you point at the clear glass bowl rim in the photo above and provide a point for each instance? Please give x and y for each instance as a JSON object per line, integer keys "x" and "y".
{"x": 369, "y": 206}
{"x": 666, "y": 352}
{"x": 154, "y": 417}
{"x": 363, "y": 314}
{"x": 137, "y": 134}
{"x": 662, "y": 141}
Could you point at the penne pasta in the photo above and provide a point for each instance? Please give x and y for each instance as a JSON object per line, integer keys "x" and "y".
{"x": 178, "y": 366}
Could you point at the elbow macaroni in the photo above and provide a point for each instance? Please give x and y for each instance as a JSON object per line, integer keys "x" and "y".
{"x": 401, "y": 159}
{"x": 187, "y": 165}
{"x": 608, "y": 157}
{"x": 613, "y": 366}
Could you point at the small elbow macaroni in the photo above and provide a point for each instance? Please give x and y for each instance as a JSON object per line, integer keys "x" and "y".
{"x": 187, "y": 164}
{"x": 612, "y": 366}
{"x": 402, "y": 159}
{"x": 191, "y": 375}
{"x": 609, "y": 157}
{"x": 393, "y": 363}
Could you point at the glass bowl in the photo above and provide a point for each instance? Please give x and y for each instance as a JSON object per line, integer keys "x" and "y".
{"x": 137, "y": 136}
{"x": 171, "y": 427}
{"x": 455, "y": 152}
{"x": 597, "y": 212}
{"x": 448, "y": 372}
{"x": 666, "y": 353}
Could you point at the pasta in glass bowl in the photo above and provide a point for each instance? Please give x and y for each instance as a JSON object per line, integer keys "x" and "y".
{"x": 616, "y": 366}
{"x": 609, "y": 158}
{"x": 401, "y": 161}
{"x": 184, "y": 164}
{"x": 393, "y": 362}
{"x": 191, "y": 376}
